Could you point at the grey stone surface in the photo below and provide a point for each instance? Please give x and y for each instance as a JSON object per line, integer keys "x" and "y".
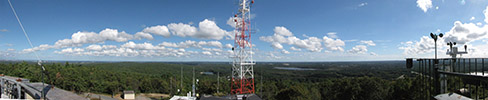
{"x": 57, "y": 93}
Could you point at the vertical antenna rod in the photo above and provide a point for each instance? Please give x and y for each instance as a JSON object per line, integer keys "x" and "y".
{"x": 23, "y": 30}
{"x": 39, "y": 61}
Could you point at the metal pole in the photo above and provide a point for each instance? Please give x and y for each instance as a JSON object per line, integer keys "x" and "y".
{"x": 43, "y": 94}
{"x": 483, "y": 74}
{"x": 469, "y": 66}
{"x": 459, "y": 70}
{"x": 435, "y": 43}
{"x": 437, "y": 83}
{"x": 476, "y": 66}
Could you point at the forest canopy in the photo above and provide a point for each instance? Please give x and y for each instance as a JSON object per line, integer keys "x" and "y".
{"x": 328, "y": 80}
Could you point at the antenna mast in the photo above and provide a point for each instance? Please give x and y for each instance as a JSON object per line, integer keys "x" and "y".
{"x": 242, "y": 65}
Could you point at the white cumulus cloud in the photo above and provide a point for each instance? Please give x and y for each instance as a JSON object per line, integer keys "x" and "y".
{"x": 314, "y": 44}
{"x": 285, "y": 51}
{"x": 332, "y": 44}
{"x": 94, "y": 47}
{"x": 132, "y": 49}
{"x": 295, "y": 49}
{"x": 228, "y": 46}
{"x": 466, "y": 32}
{"x": 207, "y": 29}
{"x": 358, "y": 49}
{"x": 424, "y": 4}
{"x": 280, "y": 30}
{"x": 485, "y": 12}
{"x": 80, "y": 38}
{"x": 140, "y": 35}
{"x": 206, "y": 53}
{"x": 461, "y": 33}
{"x": 368, "y": 42}
{"x": 332, "y": 35}
{"x": 276, "y": 45}
{"x": 426, "y": 44}
{"x": 158, "y": 30}
{"x": 190, "y": 43}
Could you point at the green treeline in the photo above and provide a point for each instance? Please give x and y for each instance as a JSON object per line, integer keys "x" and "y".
{"x": 330, "y": 81}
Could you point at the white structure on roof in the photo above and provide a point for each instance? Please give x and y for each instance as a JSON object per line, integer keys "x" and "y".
{"x": 183, "y": 98}
{"x": 451, "y": 96}
{"x": 129, "y": 95}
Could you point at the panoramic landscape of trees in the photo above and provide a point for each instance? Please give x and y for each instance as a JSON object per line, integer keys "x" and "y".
{"x": 321, "y": 80}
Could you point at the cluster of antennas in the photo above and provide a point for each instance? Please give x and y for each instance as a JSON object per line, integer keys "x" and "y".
{"x": 450, "y": 44}
{"x": 452, "y": 51}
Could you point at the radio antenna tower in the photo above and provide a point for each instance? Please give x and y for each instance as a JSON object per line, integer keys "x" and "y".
{"x": 242, "y": 65}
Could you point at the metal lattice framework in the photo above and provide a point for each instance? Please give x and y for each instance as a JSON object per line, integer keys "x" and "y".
{"x": 242, "y": 65}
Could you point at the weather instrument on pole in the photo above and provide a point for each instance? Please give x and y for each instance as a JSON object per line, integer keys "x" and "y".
{"x": 242, "y": 64}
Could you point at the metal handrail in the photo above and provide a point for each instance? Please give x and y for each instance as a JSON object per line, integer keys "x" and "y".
{"x": 26, "y": 88}
{"x": 457, "y": 70}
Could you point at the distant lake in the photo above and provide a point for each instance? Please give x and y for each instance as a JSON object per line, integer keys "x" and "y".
{"x": 293, "y": 68}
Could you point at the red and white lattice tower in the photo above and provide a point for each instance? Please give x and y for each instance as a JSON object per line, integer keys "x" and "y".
{"x": 242, "y": 65}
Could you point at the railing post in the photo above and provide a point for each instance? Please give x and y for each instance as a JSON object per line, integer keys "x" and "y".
{"x": 437, "y": 83}
{"x": 1, "y": 86}
{"x": 18, "y": 91}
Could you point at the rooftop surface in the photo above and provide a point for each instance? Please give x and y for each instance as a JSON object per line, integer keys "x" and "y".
{"x": 52, "y": 93}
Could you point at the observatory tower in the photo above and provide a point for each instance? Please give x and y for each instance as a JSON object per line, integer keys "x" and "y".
{"x": 242, "y": 64}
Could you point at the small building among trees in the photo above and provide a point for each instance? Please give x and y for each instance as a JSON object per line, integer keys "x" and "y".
{"x": 129, "y": 95}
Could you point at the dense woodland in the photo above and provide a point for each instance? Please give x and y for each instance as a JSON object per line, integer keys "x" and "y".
{"x": 329, "y": 80}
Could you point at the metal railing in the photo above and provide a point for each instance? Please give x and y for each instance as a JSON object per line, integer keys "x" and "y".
{"x": 18, "y": 89}
{"x": 464, "y": 76}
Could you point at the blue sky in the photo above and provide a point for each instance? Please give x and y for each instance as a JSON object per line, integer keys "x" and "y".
{"x": 321, "y": 30}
